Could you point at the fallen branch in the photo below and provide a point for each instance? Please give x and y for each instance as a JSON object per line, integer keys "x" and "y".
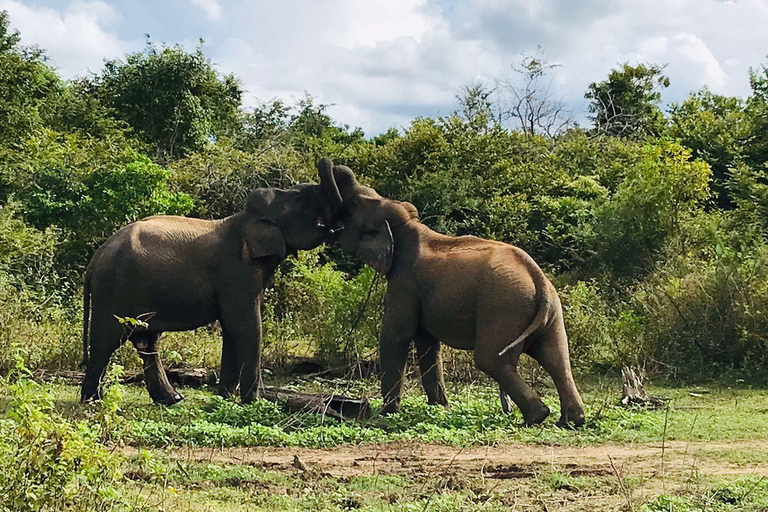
{"x": 335, "y": 406}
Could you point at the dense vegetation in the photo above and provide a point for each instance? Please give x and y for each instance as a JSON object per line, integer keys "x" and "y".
{"x": 652, "y": 224}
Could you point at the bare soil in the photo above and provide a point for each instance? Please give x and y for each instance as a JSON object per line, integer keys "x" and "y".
{"x": 498, "y": 462}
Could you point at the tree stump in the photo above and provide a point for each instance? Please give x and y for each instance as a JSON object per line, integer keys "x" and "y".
{"x": 633, "y": 391}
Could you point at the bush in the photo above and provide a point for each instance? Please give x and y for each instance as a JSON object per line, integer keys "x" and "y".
{"x": 321, "y": 311}
{"x": 48, "y": 462}
{"x": 710, "y": 315}
{"x": 221, "y": 177}
{"x": 656, "y": 195}
{"x": 87, "y": 187}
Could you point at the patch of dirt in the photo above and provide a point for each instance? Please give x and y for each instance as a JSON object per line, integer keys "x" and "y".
{"x": 498, "y": 462}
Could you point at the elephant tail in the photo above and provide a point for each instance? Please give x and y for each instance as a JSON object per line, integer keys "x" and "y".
{"x": 544, "y": 302}
{"x": 86, "y": 317}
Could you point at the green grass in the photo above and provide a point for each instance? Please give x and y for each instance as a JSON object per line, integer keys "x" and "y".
{"x": 474, "y": 418}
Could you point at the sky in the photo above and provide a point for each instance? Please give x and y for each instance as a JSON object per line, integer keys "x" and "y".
{"x": 382, "y": 63}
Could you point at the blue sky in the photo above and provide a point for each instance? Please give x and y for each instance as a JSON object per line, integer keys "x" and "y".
{"x": 383, "y": 62}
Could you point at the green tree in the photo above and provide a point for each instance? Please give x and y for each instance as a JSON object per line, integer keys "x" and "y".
{"x": 85, "y": 186}
{"x": 26, "y": 82}
{"x": 756, "y": 152}
{"x": 716, "y": 129}
{"x": 661, "y": 190}
{"x": 627, "y": 103}
{"x": 174, "y": 100}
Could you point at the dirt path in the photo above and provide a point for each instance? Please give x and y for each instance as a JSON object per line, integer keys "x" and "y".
{"x": 495, "y": 462}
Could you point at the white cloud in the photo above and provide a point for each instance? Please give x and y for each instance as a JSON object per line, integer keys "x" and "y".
{"x": 383, "y": 62}
{"x": 211, "y": 8}
{"x": 75, "y": 36}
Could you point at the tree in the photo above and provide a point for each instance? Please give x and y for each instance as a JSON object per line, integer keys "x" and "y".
{"x": 627, "y": 103}
{"x": 174, "y": 100}
{"x": 715, "y": 128}
{"x": 530, "y": 103}
{"x": 476, "y": 107}
{"x": 757, "y": 113}
{"x": 26, "y": 83}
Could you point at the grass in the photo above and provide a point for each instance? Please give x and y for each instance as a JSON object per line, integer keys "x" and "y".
{"x": 474, "y": 418}
{"x": 195, "y": 456}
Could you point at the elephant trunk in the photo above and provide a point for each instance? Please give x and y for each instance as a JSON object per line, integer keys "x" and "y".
{"x": 328, "y": 184}
{"x": 347, "y": 183}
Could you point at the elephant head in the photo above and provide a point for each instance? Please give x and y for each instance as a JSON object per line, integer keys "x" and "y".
{"x": 367, "y": 218}
{"x": 277, "y": 222}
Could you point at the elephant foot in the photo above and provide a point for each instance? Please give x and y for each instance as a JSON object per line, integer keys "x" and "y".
{"x": 391, "y": 408}
{"x": 165, "y": 397}
{"x": 226, "y": 392}
{"x": 535, "y": 415}
{"x": 571, "y": 416}
{"x": 440, "y": 401}
{"x": 89, "y": 395}
{"x": 89, "y": 399}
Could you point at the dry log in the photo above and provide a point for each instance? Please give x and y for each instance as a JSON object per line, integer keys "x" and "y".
{"x": 336, "y": 406}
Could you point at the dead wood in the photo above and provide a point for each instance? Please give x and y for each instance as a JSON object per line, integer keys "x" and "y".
{"x": 633, "y": 391}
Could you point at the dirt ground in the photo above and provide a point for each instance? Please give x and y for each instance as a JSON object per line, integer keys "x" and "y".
{"x": 499, "y": 462}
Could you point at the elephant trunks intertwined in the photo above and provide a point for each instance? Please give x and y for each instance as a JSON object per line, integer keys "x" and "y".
{"x": 181, "y": 273}
{"x": 469, "y": 293}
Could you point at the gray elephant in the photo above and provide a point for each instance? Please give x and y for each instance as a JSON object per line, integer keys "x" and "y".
{"x": 467, "y": 292}
{"x": 183, "y": 273}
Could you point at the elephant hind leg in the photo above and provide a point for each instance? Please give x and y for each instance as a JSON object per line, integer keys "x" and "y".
{"x": 431, "y": 367}
{"x": 158, "y": 385}
{"x": 551, "y": 352}
{"x": 105, "y": 338}
{"x": 503, "y": 369}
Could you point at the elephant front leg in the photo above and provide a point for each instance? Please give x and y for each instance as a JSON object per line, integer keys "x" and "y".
{"x": 229, "y": 374}
{"x": 242, "y": 322}
{"x": 393, "y": 356}
{"x": 158, "y": 385}
{"x": 431, "y": 367}
{"x": 397, "y": 330}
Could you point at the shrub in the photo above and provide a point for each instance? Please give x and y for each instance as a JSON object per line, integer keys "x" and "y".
{"x": 86, "y": 187}
{"x": 321, "y": 310}
{"x": 48, "y": 462}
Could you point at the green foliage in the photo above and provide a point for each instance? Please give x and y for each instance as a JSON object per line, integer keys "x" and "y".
{"x": 749, "y": 189}
{"x": 86, "y": 187}
{"x": 626, "y": 104}
{"x": 317, "y": 307}
{"x": 174, "y": 100}
{"x": 709, "y": 314}
{"x": 27, "y": 82}
{"x": 655, "y": 196}
{"x": 716, "y": 130}
{"x": 744, "y": 493}
{"x": 50, "y": 463}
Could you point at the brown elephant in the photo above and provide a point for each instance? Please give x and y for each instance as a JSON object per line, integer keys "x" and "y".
{"x": 467, "y": 292}
{"x": 182, "y": 273}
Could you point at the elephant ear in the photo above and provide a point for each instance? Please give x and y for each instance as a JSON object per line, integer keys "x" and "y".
{"x": 262, "y": 238}
{"x": 377, "y": 248}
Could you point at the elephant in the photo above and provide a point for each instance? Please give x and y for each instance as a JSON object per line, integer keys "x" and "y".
{"x": 469, "y": 293}
{"x": 180, "y": 273}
